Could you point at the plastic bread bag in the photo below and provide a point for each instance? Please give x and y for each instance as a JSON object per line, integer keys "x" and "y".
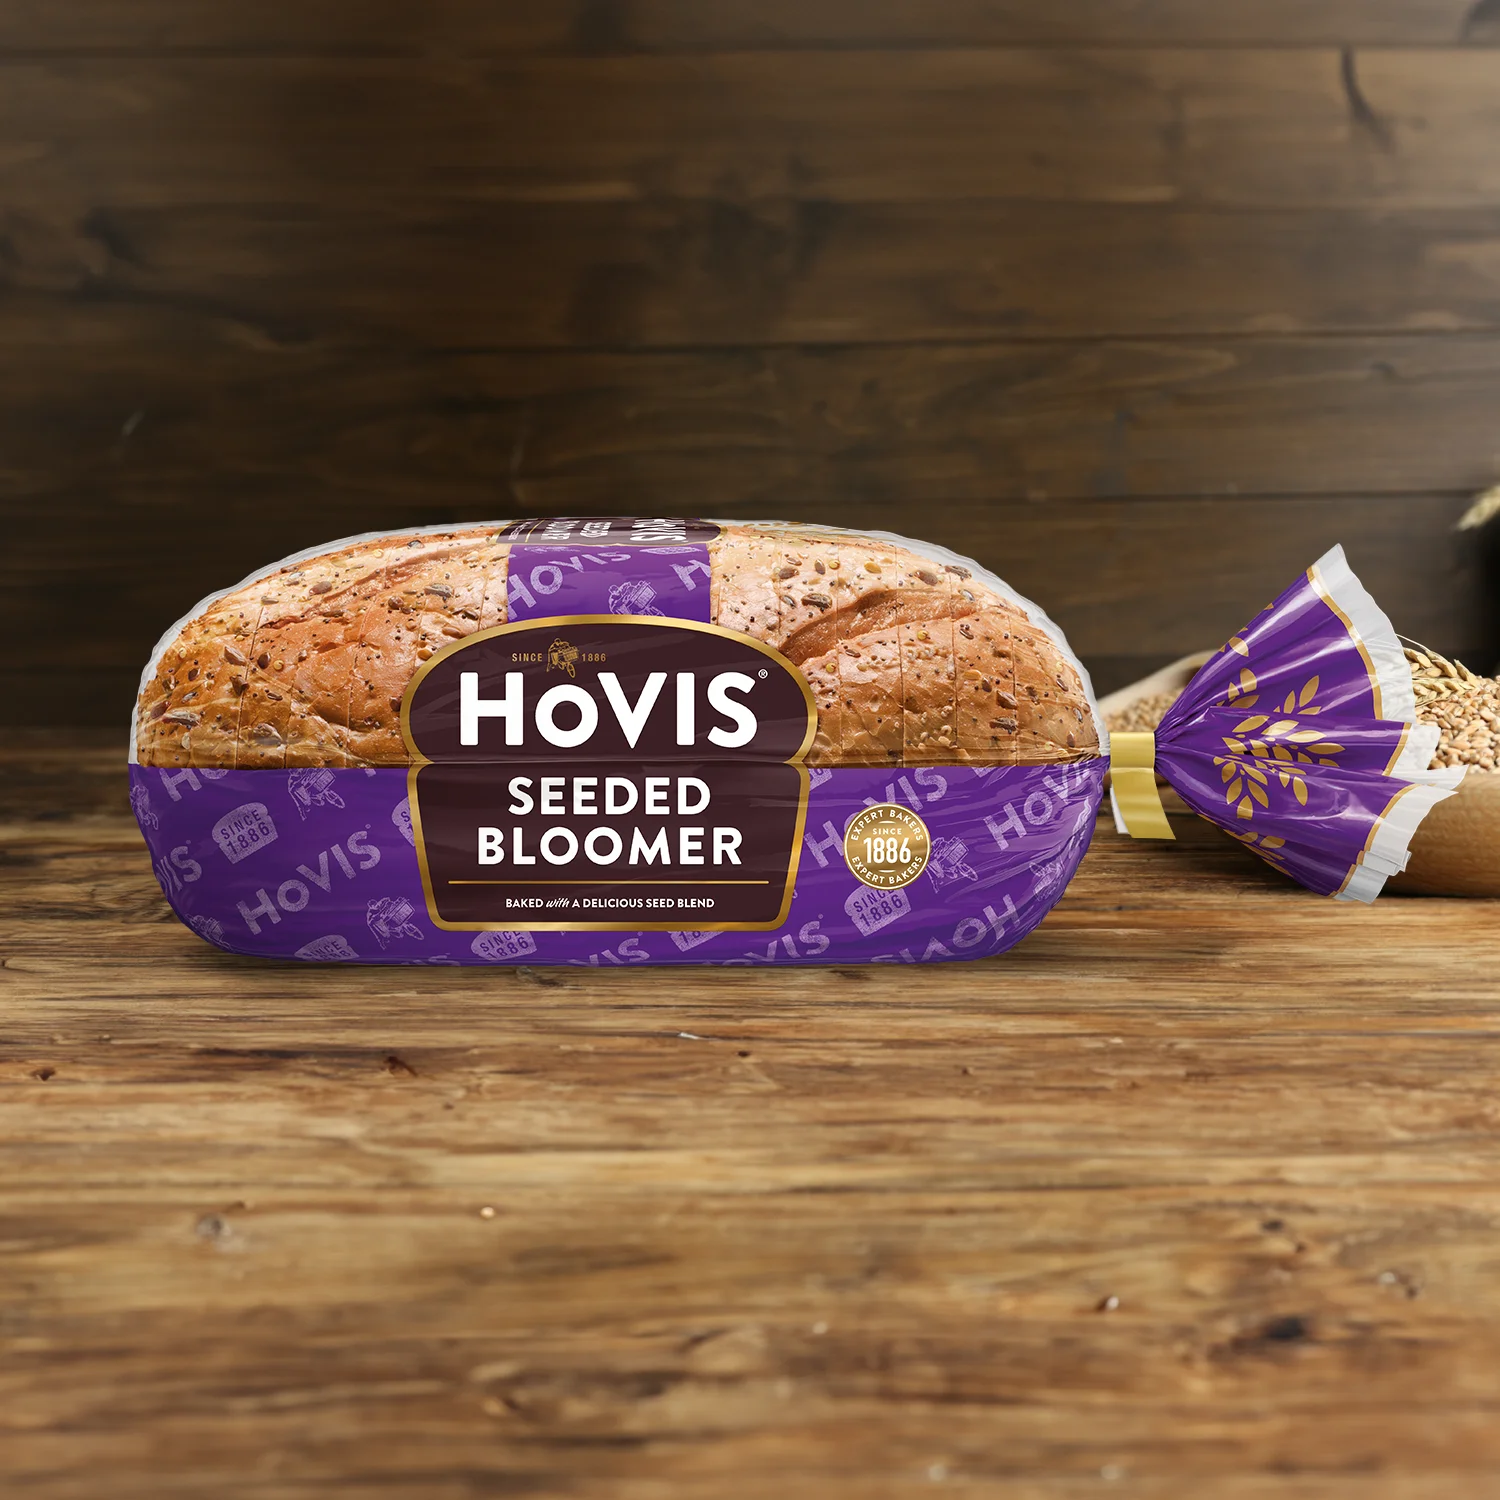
{"x": 619, "y": 741}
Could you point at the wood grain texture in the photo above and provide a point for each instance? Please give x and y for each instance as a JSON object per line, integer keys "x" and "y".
{"x": 1315, "y": 128}
{"x": 564, "y": 431}
{"x": 691, "y": 273}
{"x": 268, "y": 446}
{"x": 484, "y": 28}
{"x": 272, "y": 274}
{"x": 806, "y": 1232}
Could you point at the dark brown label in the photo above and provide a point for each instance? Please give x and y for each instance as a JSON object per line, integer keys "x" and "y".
{"x": 613, "y": 531}
{"x": 592, "y": 772}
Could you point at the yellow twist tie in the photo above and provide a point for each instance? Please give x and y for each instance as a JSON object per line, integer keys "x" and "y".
{"x": 1132, "y": 771}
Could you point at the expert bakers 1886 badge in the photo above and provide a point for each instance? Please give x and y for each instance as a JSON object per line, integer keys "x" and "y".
{"x": 887, "y": 846}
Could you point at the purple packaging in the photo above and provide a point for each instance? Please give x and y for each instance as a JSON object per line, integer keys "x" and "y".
{"x": 607, "y": 776}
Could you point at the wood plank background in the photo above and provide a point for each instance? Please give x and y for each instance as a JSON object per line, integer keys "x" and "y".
{"x": 1142, "y": 304}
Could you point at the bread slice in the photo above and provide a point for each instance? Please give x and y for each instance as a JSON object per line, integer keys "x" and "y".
{"x": 872, "y": 730}
{"x": 984, "y": 663}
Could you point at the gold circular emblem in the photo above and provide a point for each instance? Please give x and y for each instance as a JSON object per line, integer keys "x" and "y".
{"x": 887, "y": 846}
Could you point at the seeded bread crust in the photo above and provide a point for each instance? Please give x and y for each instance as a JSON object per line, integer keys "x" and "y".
{"x": 910, "y": 661}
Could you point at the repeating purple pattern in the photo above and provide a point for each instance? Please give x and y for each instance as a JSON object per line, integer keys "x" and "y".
{"x": 320, "y": 865}
{"x": 584, "y": 578}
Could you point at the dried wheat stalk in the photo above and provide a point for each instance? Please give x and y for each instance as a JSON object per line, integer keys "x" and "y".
{"x": 1434, "y": 676}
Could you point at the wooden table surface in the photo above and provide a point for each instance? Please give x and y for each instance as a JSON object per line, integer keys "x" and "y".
{"x": 1197, "y": 1192}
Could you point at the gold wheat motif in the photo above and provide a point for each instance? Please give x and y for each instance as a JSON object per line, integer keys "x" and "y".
{"x": 1264, "y": 748}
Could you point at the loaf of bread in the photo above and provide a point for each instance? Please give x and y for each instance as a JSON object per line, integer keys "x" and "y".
{"x": 912, "y": 660}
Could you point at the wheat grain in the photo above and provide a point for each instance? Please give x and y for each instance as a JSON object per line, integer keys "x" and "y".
{"x": 1142, "y": 715}
{"x": 1468, "y": 722}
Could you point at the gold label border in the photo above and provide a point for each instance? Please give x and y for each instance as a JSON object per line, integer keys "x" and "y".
{"x": 418, "y": 760}
{"x": 1321, "y": 589}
